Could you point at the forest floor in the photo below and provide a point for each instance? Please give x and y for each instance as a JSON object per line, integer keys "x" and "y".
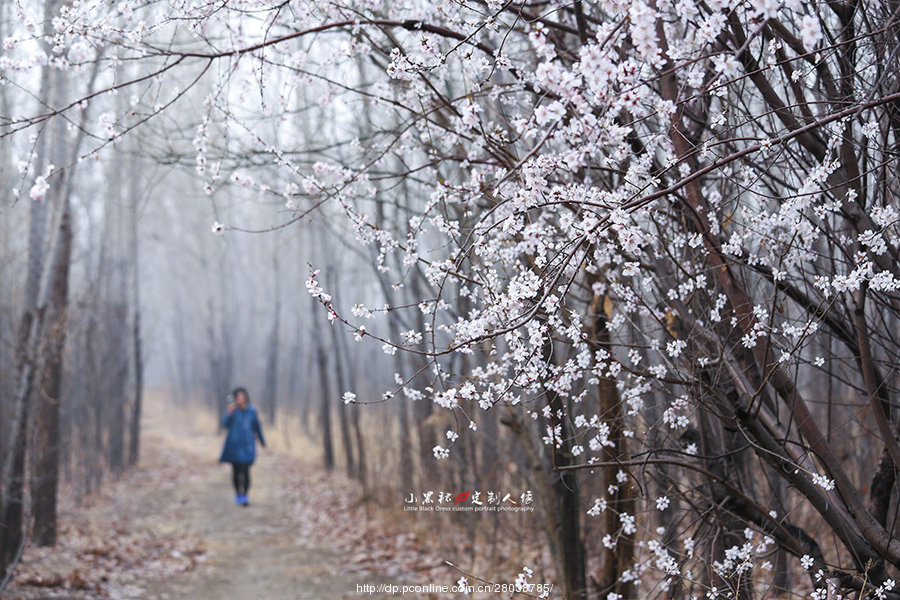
{"x": 170, "y": 529}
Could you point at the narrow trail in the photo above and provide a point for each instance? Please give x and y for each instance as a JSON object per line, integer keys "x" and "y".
{"x": 255, "y": 552}
{"x": 169, "y": 529}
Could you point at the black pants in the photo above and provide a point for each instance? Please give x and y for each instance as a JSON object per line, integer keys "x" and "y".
{"x": 241, "y": 478}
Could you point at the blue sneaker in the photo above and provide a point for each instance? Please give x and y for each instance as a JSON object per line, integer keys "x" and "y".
{"x": 238, "y": 500}
{"x": 244, "y": 500}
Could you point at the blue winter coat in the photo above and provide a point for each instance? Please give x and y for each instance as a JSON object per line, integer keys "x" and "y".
{"x": 240, "y": 447}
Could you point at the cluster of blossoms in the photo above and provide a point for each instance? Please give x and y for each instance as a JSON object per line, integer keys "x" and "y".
{"x": 573, "y": 279}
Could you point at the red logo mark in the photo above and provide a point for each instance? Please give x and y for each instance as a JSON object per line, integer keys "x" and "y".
{"x": 461, "y": 498}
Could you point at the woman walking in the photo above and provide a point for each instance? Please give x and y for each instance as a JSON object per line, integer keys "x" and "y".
{"x": 240, "y": 445}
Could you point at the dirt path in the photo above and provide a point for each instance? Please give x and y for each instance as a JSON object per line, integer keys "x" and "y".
{"x": 170, "y": 530}
{"x": 256, "y": 552}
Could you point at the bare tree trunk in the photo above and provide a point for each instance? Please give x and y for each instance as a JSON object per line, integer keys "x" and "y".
{"x": 12, "y": 538}
{"x": 46, "y": 461}
{"x": 117, "y": 385}
{"x": 781, "y": 580}
{"x": 558, "y": 501}
{"x": 344, "y": 422}
{"x": 324, "y": 390}
{"x": 88, "y": 436}
{"x": 360, "y": 448}
{"x": 345, "y": 365}
{"x": 97, "y": 470}
{"x": 115, "y": 339}
{"x": 404, "y": 438}
{"x": 298, "y": 397}
{"x": 45, "y": 478}
{"x": 134, "y": 437}
{"x": 325, "y": 409}
{"x": 92, "y": 439}
{"x": 423, "y": 408}
{"x": 221, "y": 356}
{"x": 613, "y": 562}
{"x": 12, "y": 509}
{"x": 270, "y": 397}
{"x": 564, "y": 511}
{"x": 12, "y": 502}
